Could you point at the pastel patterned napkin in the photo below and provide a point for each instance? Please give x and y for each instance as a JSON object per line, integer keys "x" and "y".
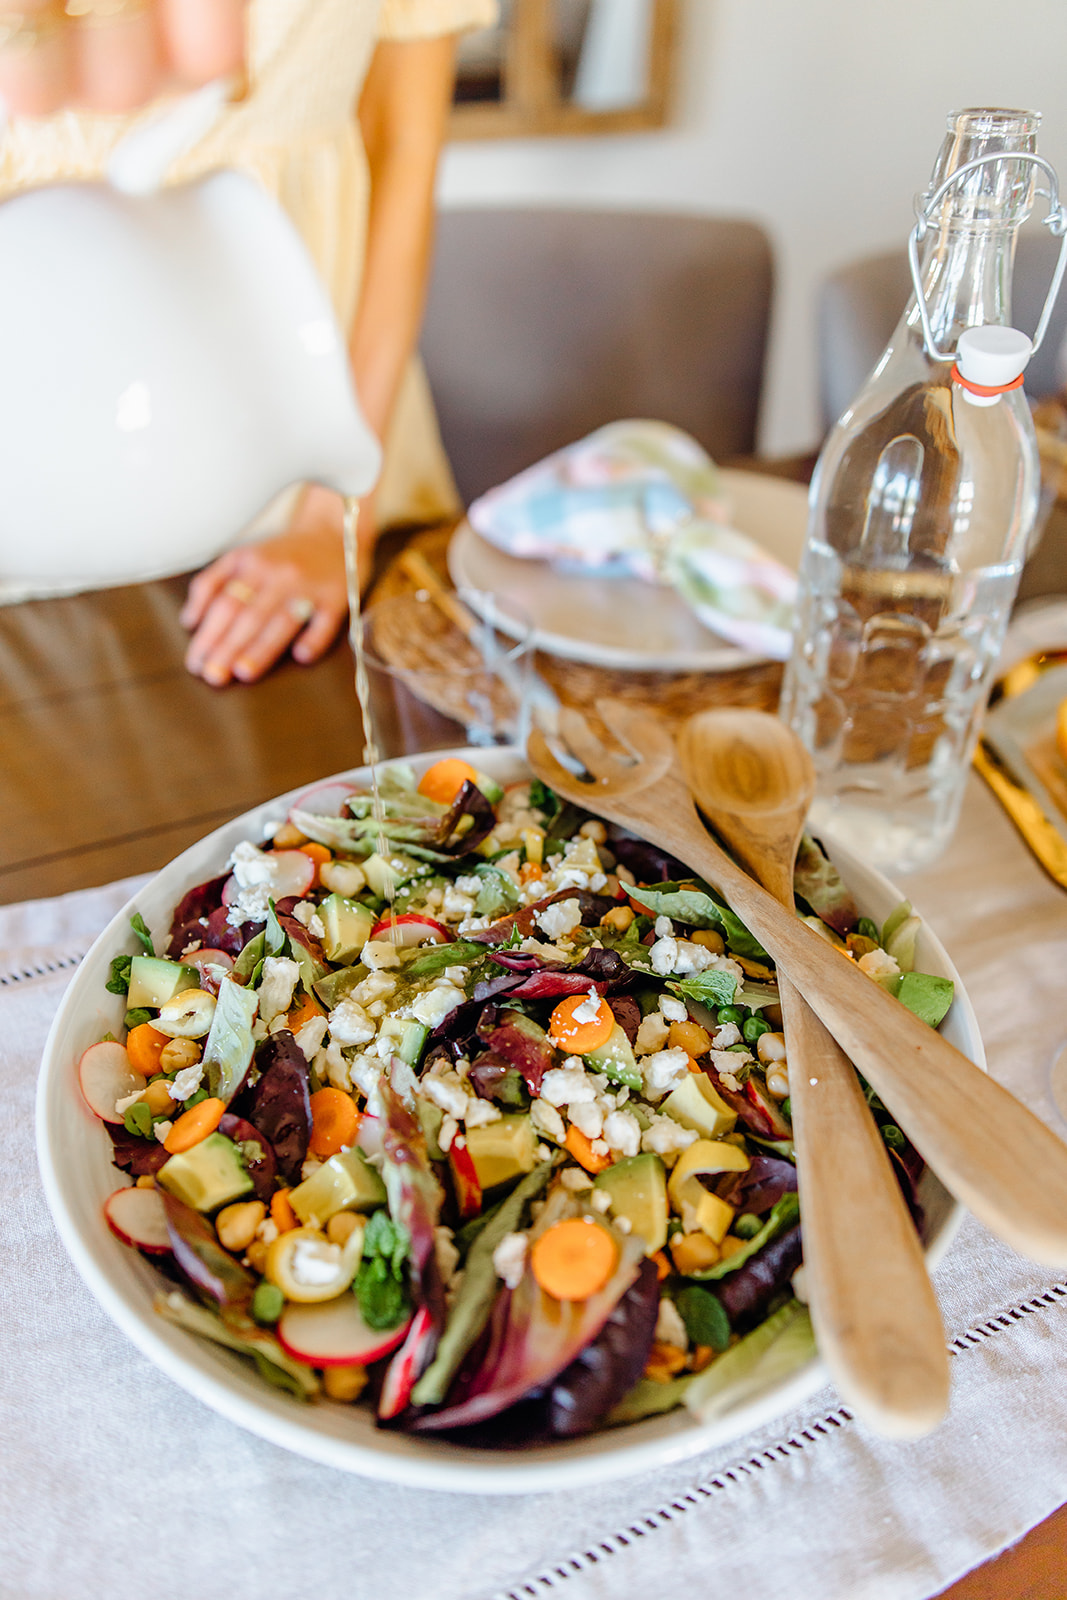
{"x": 642, "y": 499}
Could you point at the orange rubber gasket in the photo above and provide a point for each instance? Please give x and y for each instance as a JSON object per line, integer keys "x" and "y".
{"x": 981, "y": 388}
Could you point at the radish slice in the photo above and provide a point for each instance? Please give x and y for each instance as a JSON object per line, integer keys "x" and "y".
{"x": 332, "y": 1333}
{"x": 292, "y": 873}
{"x": 136, "y": 1216}
{"x": 406, "y": 1366}
{"x": 202, "y": 959}
{"x": 325, "y": 799}
{"x": 411, "y": 928}
{"x": 105, "y": 1075}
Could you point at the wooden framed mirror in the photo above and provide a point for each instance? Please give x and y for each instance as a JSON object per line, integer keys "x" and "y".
{"x": 566, "y": 67}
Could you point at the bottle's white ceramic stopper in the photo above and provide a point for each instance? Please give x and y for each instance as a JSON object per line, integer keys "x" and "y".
{"x": 992, "y": 357}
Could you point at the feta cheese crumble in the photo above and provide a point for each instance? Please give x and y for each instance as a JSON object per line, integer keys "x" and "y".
{"x": 509, "y": 1259}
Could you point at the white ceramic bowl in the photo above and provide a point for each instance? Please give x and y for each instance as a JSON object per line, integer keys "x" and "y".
{"x": 75, "y": 1160}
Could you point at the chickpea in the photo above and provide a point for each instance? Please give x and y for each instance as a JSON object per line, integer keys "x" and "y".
{"x": 690, "y": 1037}
{"x": 178, "y": 1054}
{"x": 145, "y": 1181}
{"x": 593, "y": 829}
{"x": 236, "y": 1225}
{"x": 344, "y": 1383}
{"x": 778, "y": 1080}
{"x": 157, "y": 1098}
{"x": 665, "y": 1361}
{"x": 341, "y": 1226}
{"x": 709, "y": 939}
{"x": 619, "y": 918}
{"x": 730, "y": 1246}
{"x": 256, "y": 1256}
{"x": 694, "y": 1252}
{"x": 771, "y": 1047}
{"x": 288, "y": 837}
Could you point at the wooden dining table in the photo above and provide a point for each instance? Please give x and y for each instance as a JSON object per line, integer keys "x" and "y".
{"x": 114, "y": 759}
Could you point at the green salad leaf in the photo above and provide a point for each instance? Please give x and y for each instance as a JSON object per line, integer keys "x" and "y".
{"x": 141, "y": 933}
{"x": 698, "y": 906}
{"x": 230, "y": 1045}
{"x": 711, "y": 987}
{"x": 381, "y": 1282}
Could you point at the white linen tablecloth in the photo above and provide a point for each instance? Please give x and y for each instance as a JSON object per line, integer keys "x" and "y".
{"x": 113, "y": 1482}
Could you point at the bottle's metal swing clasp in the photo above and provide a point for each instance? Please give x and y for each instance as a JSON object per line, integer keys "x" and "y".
{"x": 1055, "y": 220}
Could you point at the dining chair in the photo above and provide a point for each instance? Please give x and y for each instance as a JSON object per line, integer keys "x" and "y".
{"x": 542, "y": 325}
{"x": 860, "y": 305}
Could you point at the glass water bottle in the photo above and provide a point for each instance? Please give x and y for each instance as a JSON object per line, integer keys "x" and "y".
{"x": 921, "y": 507}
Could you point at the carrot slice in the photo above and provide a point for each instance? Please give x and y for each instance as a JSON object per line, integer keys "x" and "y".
{"x": 574, "y": 1259}
{"x": 443, "y": 781}
{"x": 144, "y": 1046}
{"x": 194, "y": 1125}
{"x": 281, "y": 1212}
{"x": 302, "y": 1010}
{"x": 334, "y": 1121}
{"x": 318, "y": 853}
{"x": 580, "y": 1036}
{"x": 582, "y": 1150}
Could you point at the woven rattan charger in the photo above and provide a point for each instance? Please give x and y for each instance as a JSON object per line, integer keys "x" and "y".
{"x": 673, "y": 695}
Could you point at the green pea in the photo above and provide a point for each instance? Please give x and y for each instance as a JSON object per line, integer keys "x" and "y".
{"x": 727, "y": 1014}
{"x": 786, "y": 1108}
{"x": 752, "y": 1028}
{"x": 267, "y": 1302}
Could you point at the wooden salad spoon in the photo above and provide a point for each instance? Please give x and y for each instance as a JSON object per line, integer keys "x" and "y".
{"x": 873, "y": 1307}
{"x": 994, "y": 1155}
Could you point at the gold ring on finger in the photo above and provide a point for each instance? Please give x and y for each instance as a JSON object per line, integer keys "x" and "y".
{"x": 103, "y": 13}
{"x": 243, "y": 593}
{"x": 28, "y": 30}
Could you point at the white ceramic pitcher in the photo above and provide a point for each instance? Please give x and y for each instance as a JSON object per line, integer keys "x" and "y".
{"x": 169, "y": 361}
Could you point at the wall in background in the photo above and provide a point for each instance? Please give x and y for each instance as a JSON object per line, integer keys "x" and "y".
{"x": 818, "y": 118}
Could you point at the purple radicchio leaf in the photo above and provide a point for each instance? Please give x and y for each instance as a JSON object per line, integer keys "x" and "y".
{"x": 133, "y": 1154}
{"x": 217, "y": 934}
{"x": 550, "y": 985}
{"x": 279, "y": 1105}
{"x": 592, "y": 907}
{"x": 646, "y": 861}
{"x": 627, "y": 1014}
{"x": 817, "y": 880}
{"x": 262, "y": 1169}
{"x": 760, "y": 1188}
{"x": 610, "y": 1364}
{"x": 191, "y": 912}
{"x": 907, "y": 1166}
{"x": 521, "y": 1043}
{"x": 532, "y": 1338}
{"x": 469, "y": 802}
{"x": 746, "y": 1293}
{"x": 414, "y": 1196}
{"x": 200, "y": 1256}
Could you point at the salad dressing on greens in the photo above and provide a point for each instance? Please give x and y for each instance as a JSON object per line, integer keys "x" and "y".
{"x": 524, "y": 1174}
{"x": 371, "y": 753}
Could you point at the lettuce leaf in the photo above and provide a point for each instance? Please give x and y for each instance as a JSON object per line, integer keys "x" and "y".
{"x": 697, "y": 906}
{"x": 229, "y": 1047}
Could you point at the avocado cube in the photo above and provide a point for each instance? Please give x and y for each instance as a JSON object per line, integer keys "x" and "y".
{"x": 385, "y": 876}
{"x": 615, "y": 1059}
{"x": 503, "y": 1150}
{"x": 405, "y": 1037}
{"x": 637, "y": 1186}
{"x": 154, "y": 981}
{"x": 343, "y": 1183}
{"x": 347, "y": 926}
{"x": 695, "y": 1104}
{"x": 208, "y": 1176}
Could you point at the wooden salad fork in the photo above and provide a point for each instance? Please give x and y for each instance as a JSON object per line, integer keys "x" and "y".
{"x": 873, "y": 1306}
{"x": 991, "y": 1152}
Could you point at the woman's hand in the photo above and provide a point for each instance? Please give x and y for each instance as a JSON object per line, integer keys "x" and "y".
{"x": 284, "y": 593}
{"x": 113, "y": 55}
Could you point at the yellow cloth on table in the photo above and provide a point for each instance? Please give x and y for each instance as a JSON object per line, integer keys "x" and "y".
{"x": 296, "y": 133}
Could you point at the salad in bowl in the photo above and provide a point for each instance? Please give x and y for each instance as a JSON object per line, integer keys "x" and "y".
{"x": 461, "y": 1122}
